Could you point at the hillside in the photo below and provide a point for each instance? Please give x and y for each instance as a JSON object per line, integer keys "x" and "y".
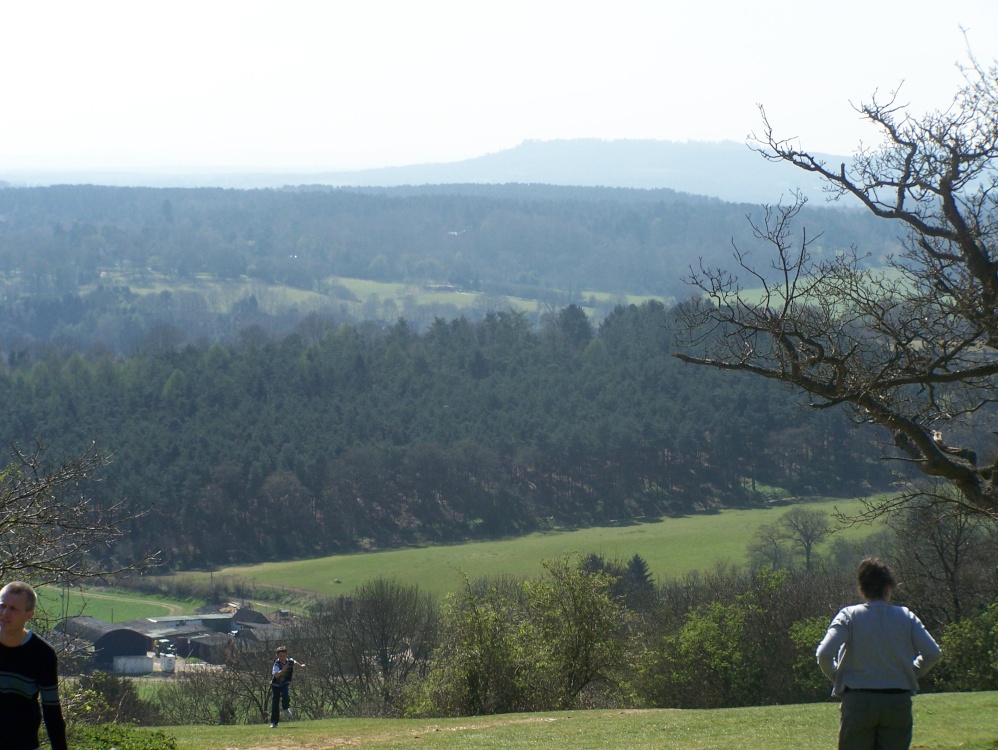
{"x": 726, "y": 170}
{"x": 139, "y": 259}
{"x": 352, "y": 438}
{"x": 147, "y": 320}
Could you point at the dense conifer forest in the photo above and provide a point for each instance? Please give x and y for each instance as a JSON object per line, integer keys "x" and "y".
{"x": 341, "y": 439}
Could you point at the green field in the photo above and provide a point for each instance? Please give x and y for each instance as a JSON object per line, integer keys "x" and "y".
{"x": 954, "y": 720}
{"x": 670, "y": 546}
{"x": 110, "y": 605}
{"x": 348, "y": 292}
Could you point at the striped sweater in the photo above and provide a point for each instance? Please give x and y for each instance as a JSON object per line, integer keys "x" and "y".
{"x": 27, "y": 673}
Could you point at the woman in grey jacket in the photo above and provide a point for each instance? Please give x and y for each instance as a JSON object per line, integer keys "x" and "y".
{"x": 874, "y": 653}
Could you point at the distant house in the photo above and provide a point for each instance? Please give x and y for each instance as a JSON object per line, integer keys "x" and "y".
{"x": 269, "y": 633}
{"x": 239, "y": 614}
{"x": 213, "y": 648}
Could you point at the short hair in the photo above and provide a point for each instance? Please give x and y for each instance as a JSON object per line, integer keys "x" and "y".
{"x": 875, "y": 577}
{"x": 282, "y": 649}
{"x": 20, "y": 587}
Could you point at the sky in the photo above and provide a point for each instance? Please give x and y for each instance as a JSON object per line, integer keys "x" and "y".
{"x": 319, "y": 85}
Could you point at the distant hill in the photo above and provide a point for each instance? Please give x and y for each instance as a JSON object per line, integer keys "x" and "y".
{"x": 726, "y": 170}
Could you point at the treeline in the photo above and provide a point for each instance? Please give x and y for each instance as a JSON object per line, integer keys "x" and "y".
{"x": 339, "y": 438}
{"x": 514, "y": 239}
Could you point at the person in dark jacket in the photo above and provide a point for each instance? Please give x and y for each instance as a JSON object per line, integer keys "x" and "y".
{"x": 28, "y": 675}
{"x": 280, "y": 685}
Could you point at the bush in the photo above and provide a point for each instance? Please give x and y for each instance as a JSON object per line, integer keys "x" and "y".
{"x": 970, "y": 654}
{"x": 554, "y": 643}
{"x": 810, "y": 680}
{"x": 102, "y": 698}
{"x": 117, "y": 737}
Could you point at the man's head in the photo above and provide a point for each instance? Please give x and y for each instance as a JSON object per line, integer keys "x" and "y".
{"x": 876, "y": 579}
{"x": 17, "y": 606}
{"x": 282, "y": 653}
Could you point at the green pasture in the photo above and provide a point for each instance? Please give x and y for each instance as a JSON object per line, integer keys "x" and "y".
{"x": 110, "y": 605}
{"x": 220, "y": 294}
{"x": 670, "y": 546}
{"x": 949, "y": 720}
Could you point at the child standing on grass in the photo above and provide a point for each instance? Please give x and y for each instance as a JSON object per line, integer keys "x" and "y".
{"x": 280, "y": 685}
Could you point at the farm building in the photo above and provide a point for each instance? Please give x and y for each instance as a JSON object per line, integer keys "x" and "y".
{"x": 209, "y": 637}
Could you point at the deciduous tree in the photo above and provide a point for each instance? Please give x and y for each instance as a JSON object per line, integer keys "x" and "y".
{"x": 49, "y": 527}
{"x": 909, "y": 342}
{"x": 805, "y": 528}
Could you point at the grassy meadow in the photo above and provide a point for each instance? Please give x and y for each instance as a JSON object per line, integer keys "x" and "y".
{"x": 952, "y": 720}
{"x": 110, "y": 605}
{"x": 670, "y": 546}
{"x": 349, "y": 293}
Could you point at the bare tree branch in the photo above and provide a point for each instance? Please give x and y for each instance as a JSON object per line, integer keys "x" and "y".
{"x": 50, "y": 531}
{"x": 909, "y": 342}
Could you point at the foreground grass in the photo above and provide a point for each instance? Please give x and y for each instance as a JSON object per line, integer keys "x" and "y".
{"x": 953, "y": 720}
{"x": 670, "y": 546}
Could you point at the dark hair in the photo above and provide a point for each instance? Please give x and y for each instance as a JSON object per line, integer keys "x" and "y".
{"x": 282, "y": 649}
{"x": 20, "y": 587}
{"x": 875, "y": 577}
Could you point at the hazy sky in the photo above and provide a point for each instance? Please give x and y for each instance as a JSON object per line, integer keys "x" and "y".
{"x": 310, "y": 84}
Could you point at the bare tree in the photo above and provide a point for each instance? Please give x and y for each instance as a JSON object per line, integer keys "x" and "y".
{"x": 768, "y": 547}
{"x": 50, "y": 530}
{"x": 799, "y": 529}
{"x": 911, "y": 346}
{"x": 366, "y": 648}
{"x": 805, "y": 528}
{"x": 946, "y": 560}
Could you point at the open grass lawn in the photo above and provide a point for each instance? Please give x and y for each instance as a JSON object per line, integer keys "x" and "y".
{"x": 670, "y": 546}
{"x": 110, "y": 605}
{"x": 956, "y": 720}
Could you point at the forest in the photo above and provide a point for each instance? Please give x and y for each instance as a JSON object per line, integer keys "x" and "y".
{"x": 241, "y": 436}
{"x": 86, "y": 265}
{"x": 341, "y": 438}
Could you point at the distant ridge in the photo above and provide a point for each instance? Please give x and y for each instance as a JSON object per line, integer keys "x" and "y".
{"x": 726, "y": 170}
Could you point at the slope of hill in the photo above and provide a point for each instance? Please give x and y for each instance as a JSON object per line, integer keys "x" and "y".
{"x": 726, "y": 170}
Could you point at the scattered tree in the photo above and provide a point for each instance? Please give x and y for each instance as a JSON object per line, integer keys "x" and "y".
{"x": 768, "y": 547}
{"x": 805, "y": 528}
{"x": 364, "y": 649}
{"x": 946, "y": 559}
{"x": 800, "y": 529}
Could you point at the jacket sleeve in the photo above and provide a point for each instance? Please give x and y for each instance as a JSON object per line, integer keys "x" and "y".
{"x": 831, "y": 646}
{"x": 925, "y": 646}
{"x": 55, "y": 724}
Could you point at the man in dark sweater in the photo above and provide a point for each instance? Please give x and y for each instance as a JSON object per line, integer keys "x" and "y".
{"x": 28, "y": 671}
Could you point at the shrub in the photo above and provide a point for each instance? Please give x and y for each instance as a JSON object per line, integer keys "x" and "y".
{"x": 117, "y": 737}
{"x": 808, "y": 677}
{"x": 970, "y": 654}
